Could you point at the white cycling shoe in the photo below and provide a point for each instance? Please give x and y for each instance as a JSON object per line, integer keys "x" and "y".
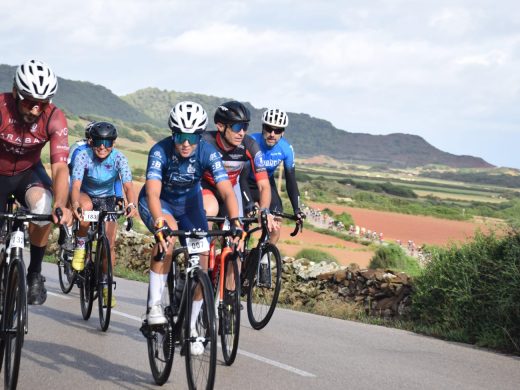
{"x": 196, "y": 348}
{"x": 156, "y": 316}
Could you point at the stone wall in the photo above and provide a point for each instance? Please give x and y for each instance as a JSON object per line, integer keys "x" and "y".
{"x": 305, "y": 284}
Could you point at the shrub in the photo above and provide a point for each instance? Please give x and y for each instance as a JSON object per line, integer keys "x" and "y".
{"x": 393, "y": 257}
{"x": 471, "y": 293}
{"x": 315, "y": 255}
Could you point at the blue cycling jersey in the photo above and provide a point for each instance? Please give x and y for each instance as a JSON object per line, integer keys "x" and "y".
{"x": 273, "y": 156}
{"x": 98, "y": 176}
{"x": 83, "y": 145}
{"x": 181, "y": 177}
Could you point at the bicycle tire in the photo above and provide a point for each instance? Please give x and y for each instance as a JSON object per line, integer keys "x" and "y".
{"x": 160, "y": 341}
{"x": 105, "y": 306}
{"x": 200, "y": 369}
{"x": 66, "y": 275}
{"x": 3, "y": 287}
{"x": 13, "y": 320}
{"x": 229, "y": 313}
{"x": 86, "y": 290}
{"x": 262, "y": 298}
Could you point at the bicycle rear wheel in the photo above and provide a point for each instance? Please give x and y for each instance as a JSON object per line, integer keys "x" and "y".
{"x": 66, "y": 274}
{"x": 200, "y": 368}
{"x": 262, "y": 295}
{"x": 160, "y": 341}
{"x": 3, "y": 287}
{"x": 104, "y": 283}
{"x": 86, "y": 285}
{"x": 13, "y": 319}
{"x": 229, "y": 312}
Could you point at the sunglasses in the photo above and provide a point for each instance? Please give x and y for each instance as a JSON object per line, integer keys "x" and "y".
{"x": 30, "y": 104}
{"x": 237, "y": 127}
{"x": 180, "y": 138}
{"x": 277, "y": 130}
{"x": 107, "y": 143}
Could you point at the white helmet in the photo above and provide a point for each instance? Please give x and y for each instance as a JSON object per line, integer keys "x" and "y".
{"x": 275, "y": 118}
{"x": 188, "y": 117}
{"x": 36, "y": 79}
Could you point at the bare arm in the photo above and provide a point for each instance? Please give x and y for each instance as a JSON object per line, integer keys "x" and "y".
{"x": 60, "y": 186}
{"x": 265, "y": 193}
{"x": 130, "y": 197}
{"x": 225, "y": 190}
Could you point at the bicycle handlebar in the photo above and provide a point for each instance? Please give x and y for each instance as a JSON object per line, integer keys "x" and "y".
{"x": 299, "y": 222}
{"x": 25, "y": 216}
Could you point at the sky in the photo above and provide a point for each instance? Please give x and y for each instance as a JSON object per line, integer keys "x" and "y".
{"x": 448, "y": 71}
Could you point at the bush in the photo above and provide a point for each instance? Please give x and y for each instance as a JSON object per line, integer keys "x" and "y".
{"x": 345, "y": 218}
{"x": 393, "y": 257}
{"x": 315, "y": 255}
{"x": 471, "y": 293}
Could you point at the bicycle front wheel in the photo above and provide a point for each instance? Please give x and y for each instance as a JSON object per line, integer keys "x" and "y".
{"x": 104, "y": 282}
{"x": 264, "y": 287}
{"x": 14, "y": 322}
{"x": 160, "y": 340}
{"x": 201, "y": 341}
{"x": 66, "y": 274}
{"x": 229, "y": 312}
{"x": 86, "y": 286}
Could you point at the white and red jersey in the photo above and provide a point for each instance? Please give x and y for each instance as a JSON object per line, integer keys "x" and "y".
{"x": 21, "y": 143}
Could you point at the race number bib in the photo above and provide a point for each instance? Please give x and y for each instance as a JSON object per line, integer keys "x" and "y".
{"x": 90, "y": 216}
{"x": 17, "y": 240}
{"x": 197, "y": 245}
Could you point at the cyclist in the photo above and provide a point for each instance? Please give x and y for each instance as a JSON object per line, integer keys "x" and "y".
{"x": 28, "y": 120}
{"x": 172, "y": 197}
{"x": 94, "y": 173}
{"x": 238, "y": 150}
{"x": 83, "y": 144}
{"x": 275, "y": 150}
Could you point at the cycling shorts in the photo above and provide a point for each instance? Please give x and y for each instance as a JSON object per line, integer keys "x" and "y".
{"x": 107, "y": 203}
{"x": 190, "y": 215}
{"x": 18, "y": 184}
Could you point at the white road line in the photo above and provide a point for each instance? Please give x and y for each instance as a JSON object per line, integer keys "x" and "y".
{"x": 276, "y": 364}
{"x": 241, "y": 352}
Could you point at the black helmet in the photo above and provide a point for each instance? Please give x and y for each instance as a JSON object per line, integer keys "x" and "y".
{"x": 232, "y": 112}
{"x": 103, "y": 130}
{"x": 87, "y": 129}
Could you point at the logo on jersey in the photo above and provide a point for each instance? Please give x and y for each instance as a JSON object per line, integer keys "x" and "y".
{"x": 157, "y": 153}
{"x": 259, "y": 160}
{"x": 223, "y": 108}
{"x": 34, "y": 127}
{"x": 191, "y": 169}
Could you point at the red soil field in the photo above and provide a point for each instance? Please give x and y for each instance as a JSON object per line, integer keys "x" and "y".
{"x": 420, "y": 229}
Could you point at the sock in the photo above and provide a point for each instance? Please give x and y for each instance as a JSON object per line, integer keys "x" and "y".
{"x": 80, "y": 242}
{"x": 195, "y": 310}
{"x": 156, "y": 288}
{"x": 37, "y": 253}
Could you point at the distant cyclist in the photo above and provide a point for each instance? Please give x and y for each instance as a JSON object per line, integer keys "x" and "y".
{"x": 28, "y": 120}
{"x": 238, "y": 150}
{"x": 275, "y": 150}
{"x": 172, "y": 198}
{"x": 95, "y": 170}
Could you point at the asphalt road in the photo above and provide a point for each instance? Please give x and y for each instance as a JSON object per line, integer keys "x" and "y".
{"x": 295, "y": 351}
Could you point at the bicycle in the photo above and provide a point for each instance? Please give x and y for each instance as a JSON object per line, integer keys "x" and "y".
{"x": 177, "y": 301}
{"x": 227, "y": 301}
{"x": 13, "y": 288}
{"x": 261, "y": 279}
{"x": 92, "y": 280}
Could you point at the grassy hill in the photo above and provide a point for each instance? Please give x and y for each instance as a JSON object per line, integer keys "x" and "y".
{"x": 312, "y": 136}
{"x": 146, "y": 112}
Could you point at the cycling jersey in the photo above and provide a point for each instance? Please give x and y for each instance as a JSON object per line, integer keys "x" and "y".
{"x": 234, "y": 160}
{"x": 272, "y": 156}
{"x": 21, "y": 143}
{"x": 81, "y": 145}
{"x": 98, "y": 176}
{"x": 181, "y": 177}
